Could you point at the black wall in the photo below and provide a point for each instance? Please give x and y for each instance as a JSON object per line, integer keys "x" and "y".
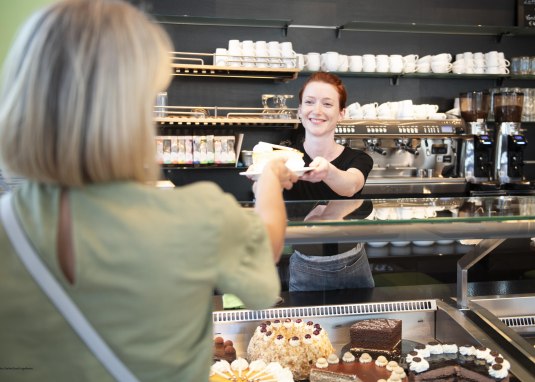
{"x": 189, "y": 91}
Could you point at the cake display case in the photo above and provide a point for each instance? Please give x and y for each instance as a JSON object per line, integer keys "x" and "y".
{"x": 423, "y": 322}
{"x": 502, "y": 323}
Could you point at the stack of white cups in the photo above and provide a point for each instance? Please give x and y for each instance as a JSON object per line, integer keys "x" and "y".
{"x": 404, "y": 109}
{"x": 493, "y": 62}
{"x": 441, "y": 63}
{"x": 409, "y": 63}
{"x": 274, "y": 53}
{"x": 259, "y": 54}
{"x": 248, "y": 48}
{"x": 288, "y": 55}
{"x": 234, "y": 53}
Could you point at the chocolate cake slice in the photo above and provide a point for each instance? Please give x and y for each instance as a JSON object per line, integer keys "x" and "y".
{"x": 377, "y": 337}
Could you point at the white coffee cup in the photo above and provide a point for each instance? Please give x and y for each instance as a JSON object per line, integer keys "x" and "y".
{"x": 355, "y": 63}
{"x": 289, "y": 59}
{"x": 369, "y": 110}
{"x": 247, "y": 45}
{"x": 248, "y": 54}
{"x": 442, "y": 57}
{"x": 343, "y": 63}
{"x": 384, "y": 111}
{"x": 405, "y": 109}
{"x": 313, "y": 61}
{"x": 220, "y": 57}
{"x": 410, "y": 58}
{"x": 275, "y": 57}
{"x": 300, "y": 61}
{"x": 261, "y": 45}
{"x": 441, "y": 67}
{"x": 419, "y": 112}
{"x": 286, "y": 47}
{"x": 262, "y": 57}
{"x": 329, "y": 61}
{"x": 234, "y": 45}
{"x": 368, "y": 63}
{"x": 424, "y": 59}
{"x": 423, "y": 67}
{"x": 352, "y": 110}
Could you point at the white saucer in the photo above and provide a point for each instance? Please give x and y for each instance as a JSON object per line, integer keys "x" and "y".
{"x": 377, "y": 244}
{"x": 423, "y": 243}
{"x": 255, "y": 174}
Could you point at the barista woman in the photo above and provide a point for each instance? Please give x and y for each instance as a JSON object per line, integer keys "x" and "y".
{"x": 339, "y": 173}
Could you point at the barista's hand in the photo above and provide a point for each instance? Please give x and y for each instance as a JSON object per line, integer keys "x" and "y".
{"x": 319, "y": 173}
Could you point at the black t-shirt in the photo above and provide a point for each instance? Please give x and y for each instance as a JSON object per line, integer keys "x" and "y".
{"x": 349, "y": 158}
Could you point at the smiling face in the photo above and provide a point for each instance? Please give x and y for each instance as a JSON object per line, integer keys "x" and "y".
{"x": 320, "y": 108}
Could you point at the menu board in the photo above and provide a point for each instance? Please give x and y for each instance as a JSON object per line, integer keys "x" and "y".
{"x": 525, "y": 12}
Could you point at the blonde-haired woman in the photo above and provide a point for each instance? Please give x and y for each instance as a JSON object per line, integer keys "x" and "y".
{"x": 141, "y": 264}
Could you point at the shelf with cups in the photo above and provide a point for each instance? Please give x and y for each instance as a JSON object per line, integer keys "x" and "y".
{"x": 194, "y": 65}
{"x": 232, "y": 118}
{"x": 394, "y": 77}
{"x": 448, "y": 29}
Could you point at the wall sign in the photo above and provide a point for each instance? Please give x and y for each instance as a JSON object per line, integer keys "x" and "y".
{"x": 525, "y": 12}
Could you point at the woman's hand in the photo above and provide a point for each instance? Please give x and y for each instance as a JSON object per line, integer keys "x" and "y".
{"x": 321, "y": 167}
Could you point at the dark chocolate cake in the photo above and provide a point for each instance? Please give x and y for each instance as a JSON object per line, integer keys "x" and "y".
{"x": 475, "y": 365}
{"x": 377, "y": 337}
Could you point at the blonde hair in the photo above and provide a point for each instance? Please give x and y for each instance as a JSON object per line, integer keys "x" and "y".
{"x": 78, "y": 91}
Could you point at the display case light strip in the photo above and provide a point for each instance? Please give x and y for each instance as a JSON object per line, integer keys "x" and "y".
{"x": 325, "y": 311}
{"x": 518, "y": 321}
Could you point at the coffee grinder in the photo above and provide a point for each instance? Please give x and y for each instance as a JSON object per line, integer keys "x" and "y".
{"x": 510, "y": 142}
{"x": 477, "y": 155}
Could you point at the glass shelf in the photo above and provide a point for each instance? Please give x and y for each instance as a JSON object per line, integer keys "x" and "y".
{"x": 218, "y": 21}
{"x": 431, "y": 75}
{"x": 451, "y": 29}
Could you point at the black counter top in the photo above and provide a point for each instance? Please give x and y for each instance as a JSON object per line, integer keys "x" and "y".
{"x": 399, "y": 293}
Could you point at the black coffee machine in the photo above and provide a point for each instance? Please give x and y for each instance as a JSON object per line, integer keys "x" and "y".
{"x": 477, "y": 155}
{"x": 510, "y": 142}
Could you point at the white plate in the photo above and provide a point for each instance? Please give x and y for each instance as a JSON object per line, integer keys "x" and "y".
{"x": 255, "y": 174}
{"x": 377, "y": 244}
{"x": 423, "y": 243}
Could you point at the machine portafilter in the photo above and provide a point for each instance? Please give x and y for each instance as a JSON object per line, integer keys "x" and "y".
{"x": 406, "y": 145}
{"x": 374, "y": 145}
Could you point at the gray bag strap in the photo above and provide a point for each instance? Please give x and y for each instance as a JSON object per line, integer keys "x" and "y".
{"x": 57, "y": 294}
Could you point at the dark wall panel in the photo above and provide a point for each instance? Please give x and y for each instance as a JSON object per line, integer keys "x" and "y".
{"x": 185, "y": 91}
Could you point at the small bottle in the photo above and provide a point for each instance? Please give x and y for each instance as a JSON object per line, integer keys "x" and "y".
{"x": 161, "y": 104}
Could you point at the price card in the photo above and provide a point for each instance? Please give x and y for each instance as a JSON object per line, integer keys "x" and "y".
{"x": 525, "y": 13}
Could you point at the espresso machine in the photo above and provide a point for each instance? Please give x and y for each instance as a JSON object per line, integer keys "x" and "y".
{"x": 411, "y": 157}
{"x": 510, "y": 142}
{"x": 477, "y": 155}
